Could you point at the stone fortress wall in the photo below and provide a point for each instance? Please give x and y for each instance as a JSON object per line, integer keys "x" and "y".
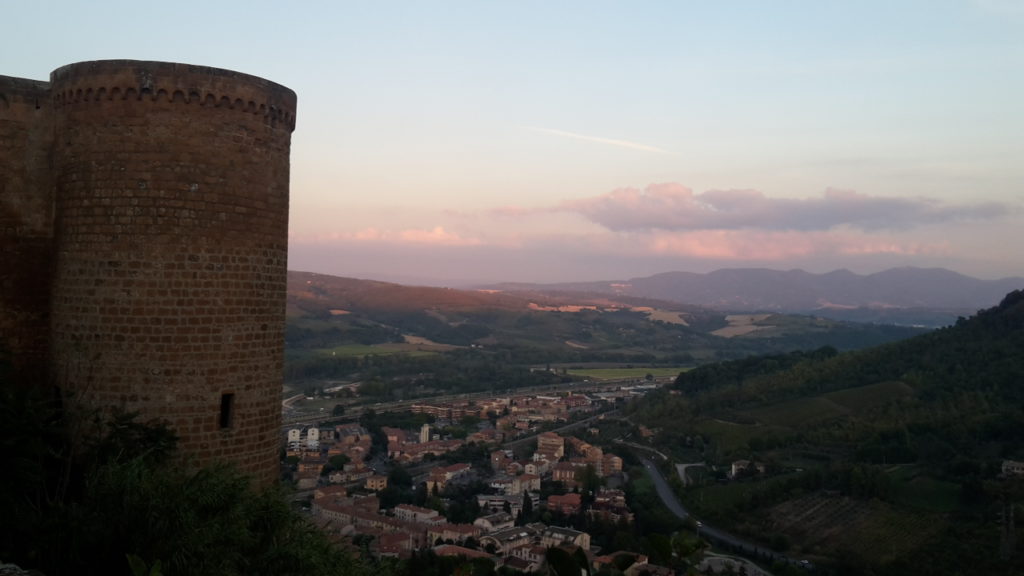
{"x": 144, "y": 231}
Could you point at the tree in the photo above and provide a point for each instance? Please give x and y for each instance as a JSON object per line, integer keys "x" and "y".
{"x": 625, "y": 540}
{"x": 389, "y": 497}
{"x": 589, "y": 481}
{"x": 368, "y": 418}
{"x": 482, "y": 567}
{"x": 336, "y": 462}
{"x": 682, "y": 545}
{"x": 399, "y": 477}
{"x": 780, "y": 543}
{"x": 659, "y": 548}
{"x": 526, "y": 513}
{"x": 338, "y": 410}
{"x": 561, "y": 563}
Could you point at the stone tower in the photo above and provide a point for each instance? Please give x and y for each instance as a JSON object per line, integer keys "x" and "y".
{"x": 145, "y": 205}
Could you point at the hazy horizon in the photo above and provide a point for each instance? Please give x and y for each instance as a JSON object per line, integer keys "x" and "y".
{"x": 472, "y": 283}
{"x": 539, "y": 142}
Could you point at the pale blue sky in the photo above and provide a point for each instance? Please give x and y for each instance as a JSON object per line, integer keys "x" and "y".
{"x": 520, "y": 140}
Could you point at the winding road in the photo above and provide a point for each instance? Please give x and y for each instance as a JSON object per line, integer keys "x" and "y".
{"x": 738, "y": 545}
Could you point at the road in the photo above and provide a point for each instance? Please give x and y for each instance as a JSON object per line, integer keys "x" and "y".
{"x": 640, "y": 447}
{"x": 670, "y": 500}
{"x": 716, "y": 535}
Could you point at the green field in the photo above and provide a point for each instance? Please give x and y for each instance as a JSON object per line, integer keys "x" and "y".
{"x": 912, "y": 488}
{"x": 730, "y": 436}
{"x": 866, "y": 397}
{"x": 719, "y": 500}
{"x": 803, "y": 411}
{"x": 795, "y": 413}
{"x": 827, "y": 525}
{"x": 375, "y": 349}
{"x": 626, "y": 373}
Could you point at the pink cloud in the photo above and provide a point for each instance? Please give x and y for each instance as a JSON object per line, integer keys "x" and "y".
{"x": 672, "y": 206}
{"x": 775, "y": 246}
{"x": 369, "y": 234}
{"x": 436, "y": 236}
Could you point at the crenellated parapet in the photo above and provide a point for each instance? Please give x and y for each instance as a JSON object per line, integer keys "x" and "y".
{"x": 131, "y": 80}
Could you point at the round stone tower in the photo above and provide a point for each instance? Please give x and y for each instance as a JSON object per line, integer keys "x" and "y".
{"x": 171, "y": 233}
{"x": 26, "y": 224}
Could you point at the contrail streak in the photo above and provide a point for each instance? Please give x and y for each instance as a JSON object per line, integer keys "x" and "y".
{"x": 613, "y": 142}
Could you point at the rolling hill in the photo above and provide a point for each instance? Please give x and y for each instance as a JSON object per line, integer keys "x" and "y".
{"x": 345, "y": 316}
{"x": 909, "y": 296}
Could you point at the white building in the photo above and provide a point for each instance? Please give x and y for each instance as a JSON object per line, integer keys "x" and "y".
{"x": 313, "y": 438}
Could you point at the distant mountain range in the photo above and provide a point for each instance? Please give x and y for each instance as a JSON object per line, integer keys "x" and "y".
{"x": 928, "y": 296}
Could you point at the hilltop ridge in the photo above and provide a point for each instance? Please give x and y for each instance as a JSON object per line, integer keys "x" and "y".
{"x": 908, "y": 295}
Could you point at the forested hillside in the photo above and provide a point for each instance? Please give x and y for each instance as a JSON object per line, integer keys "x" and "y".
{"x": 904, "y": 440}
{"x": 964, "y": 382}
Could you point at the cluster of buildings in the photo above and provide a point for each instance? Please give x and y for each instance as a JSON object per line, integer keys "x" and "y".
{"x": 552, "y": 459}
{"x": 401, "y": 530}
{"x": 439, "y": 478}
{"x": 513, "y": 488}
{"x": 502, "y": 531}
{"x": 407, "y": 447}
{"x": 610, "y": 505}
{"x": 314, "y": 447}
{"x": 405, "y": 528}
{"x": 512, "y": 415}
{"x": 525, "y": 413}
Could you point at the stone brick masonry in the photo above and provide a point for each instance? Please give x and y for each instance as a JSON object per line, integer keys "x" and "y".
{"x": 144, "y": 221}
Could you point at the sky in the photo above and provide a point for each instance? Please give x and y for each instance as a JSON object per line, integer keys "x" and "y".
{"x": 460, "y": 142}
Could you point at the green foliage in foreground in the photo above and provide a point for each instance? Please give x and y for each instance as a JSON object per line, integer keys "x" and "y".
{"x": 117, "y": 501}
{"x": 210, "y": 522}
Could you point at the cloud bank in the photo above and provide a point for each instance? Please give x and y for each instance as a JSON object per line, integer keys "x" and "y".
{"x": 676, "y": 207}
{"x": 669, "y": 227}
